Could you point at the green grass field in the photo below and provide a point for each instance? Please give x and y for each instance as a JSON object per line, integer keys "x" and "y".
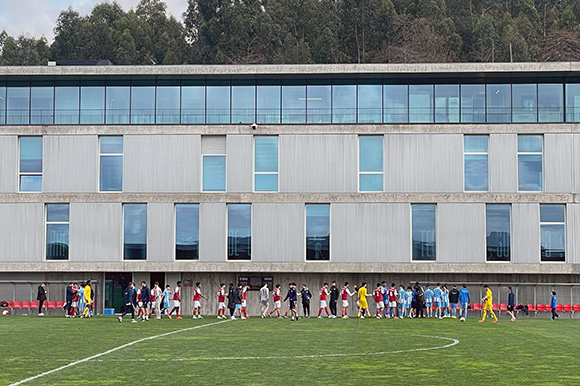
{"x": 276, "y": 352}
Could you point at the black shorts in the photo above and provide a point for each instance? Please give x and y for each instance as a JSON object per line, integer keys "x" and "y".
{"x": 510, "y": 308}
{"x": 292, "y": 304}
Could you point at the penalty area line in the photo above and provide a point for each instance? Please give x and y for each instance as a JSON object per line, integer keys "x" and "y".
{"x": 93, "y": 357}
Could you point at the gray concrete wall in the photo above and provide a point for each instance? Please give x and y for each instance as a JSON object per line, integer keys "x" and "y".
{"x": 22, "y": 232}
{"x": 559, "y": 165}
{"x": 278, "y": 232}
{"x": 461, "y": 233}
{"x": 9, "y": 164}
{"x": 95, "y": 232}
{"x": 503, "y": 163}
{"x": 240, "y": 163}
{"x": 160, "y": 232}
{"x": 525, "y": 237}
{"x": 212, "y": 232}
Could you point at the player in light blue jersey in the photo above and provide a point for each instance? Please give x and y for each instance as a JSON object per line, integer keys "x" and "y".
{"x": 408, "y": 302}
{"x": 402, "y": 300}
{"x": 445, "y": 301}
{"x": 429, "y": 301}
{"x": 437, "y": 293}
{"x": 384, "y": 289}
{"x": 464, "y": 300}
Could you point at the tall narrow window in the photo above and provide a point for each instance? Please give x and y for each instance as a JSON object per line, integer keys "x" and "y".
{"x": 446, "y": 103}
{"x": 167, "y": 103}
{"x": 218, "y": 103}
{"x": 93, "y": 103}
{"x": 318, "y": 104}
{"x": 117, "y": 104}
{"x": 396, "y": 109}
{"x": 66, "y": 105}
{"x": 499, "y": 102}
{"x": 370, "y": 103}
{"x": 318, "y": 232}
{"x": 243, "y": 103}
{"x": 17, "y": 105}
{"x": 524, "y": 103}
{"x": 421, "y": 103}
{"x": 266, "y": 164}
{"x": 268, "y": 109}
{"x": 370, "y": 163}
{"x": 293, "y": 103}
{"x": 192, "y": 103}
{"x": 530, "y": 163}
{"x": 239, "y": 231}
{"x": 423, "y": 222}
{"x": 213, "y": 149}
{"x": 2, "y": 104}
{"x": 57, "y": 227}
{"x": 143, "y": 104}
{"x": 553, "y": 232}
{"x": 111, "y": 164}
{"x": 343, "y": 103}
{"x": 41, "y": 104}
{"x": 30, "y": 174}
{"x": 135, "y": 232}
{"x": 550, "y": 103}
{"x": 475, "y": 155}
{"x": 472, "y": 103}
{"x": 572, "y": 102}
{"x": 186, "y": 231}
{"x": 497, "y": 229}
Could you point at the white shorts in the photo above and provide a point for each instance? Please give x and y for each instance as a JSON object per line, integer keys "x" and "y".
{"x": 243, "y": 303}
{"x": 345, "y": 303}
{"x": 176, "y": 303}
{"x": 74, "y": 304}
{"x": 392, "y": 304}
{"x": 380, "y": 304}
{"x": 278, "y": 304}
{"x": 221, "y": 305}
{"x": 323, "y": 304}
{"x": 196, "y": 304}
{"x": 140, "y": 304}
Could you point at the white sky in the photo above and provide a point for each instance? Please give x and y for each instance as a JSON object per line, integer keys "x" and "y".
{"x": 38, "y": 17}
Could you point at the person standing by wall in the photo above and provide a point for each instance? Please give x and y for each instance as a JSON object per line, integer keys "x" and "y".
{"x": 88, "y": 300}
{"x": 453, "y": 300}
{"x": 464, "y": 300}
{"x": 158, "y": 294}
{"x": 306, "y": 296}
{"x": 70, "y": 293}
{"x": 41, "y": 297}
{"x": 554, "y": 304}
{"x": 231, "y": 303}
{"x": 130, "y": 302}
{"x": 511, "y": 304}
{"x": 146, "y": 301}
{"x": 237, "y": 298}
{"x": 334, "y": 293}
{"x": 292, "y": 298}
{"x": 264, "y": 299}
{"x": 488, "y": 307}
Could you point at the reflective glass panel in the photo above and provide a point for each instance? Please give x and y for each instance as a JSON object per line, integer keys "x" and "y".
{"x": 135, "y": 231}
{"x": 573, "y": 103}
{"x": 243, "y": 104}
{"x": 553, "y": 232}
{"x": 396, "y": 99}
{"x": 167, "y": 109}
{"x": 550, "y": 103}
{"x": 218, "y": 104}
{"x": 497, "y": 225}
{"x": 214, "y": 173}
{"x": 117, "y": 104}
{"x": 2, "y": 105}
{"x": 530, "y": 143}
{"x": 371, "y": 182}
{"x": 317, "y": 232}
{"x": 111, "y": 145}
{"x": 529, "y": 172}
{"x": 293, "y": 104}
{"x": 472, "y": 103}
{"x": 30, "y": 183}
{"x": 318, "y": 104}
{"x": 266, "y": 182}
{"x": 239, "y": 231}
{"x": 343, "y": 103}
{"x": 476, "y": 143}
{"x": 57, "y": 231}
{"x": 30, "y": 154}
{"x": 370, "y": 153}
{"x": 266, "y": 164}
{"x": 424, "y": 236}
{"x": 552, "y": 212}
{"x": 66, "y": 105}
{"x": 420, "y": 103}
{"x": 111, "y": 164}
{"x": 57, "y": 213}
{"x": 18, "y": 105}
{"x": 143, "y": 104}
{"x": 186, "y": 231}
{"x": 524, "y": 103}
{"x": 499, "y": 104}
{"x": 93, "y": 105}
{"x": 370, "y": 103}
{"x": 193, "y": 104}
{"x": 41, "y": 105}
{"x": 476, "y": 162}
{"x": 269, "y": 104}
{"x": 446, "y": 103}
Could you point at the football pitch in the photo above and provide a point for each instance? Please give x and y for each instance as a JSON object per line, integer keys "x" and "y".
{"x": 279, "y": 352}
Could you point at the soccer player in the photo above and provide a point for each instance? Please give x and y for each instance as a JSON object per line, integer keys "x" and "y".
{"x": 81, "y": 300}
{"x": 511, "y": 304}
{"x": 385, "y": 289}
{"x": 437, "y": 298}
{"x": 402, "y": 299}
{"x": 453, "y": 301}
{"x": 378, "y": 295}
{"x": 166, "y": 296}
{"x": 345, "y": 293}
{"x": 292, "y": 298}
{"x": 488, "y": 299}
{"x": 334, "y": 293}
{"x": 306, "y": 295}
{"x": 323, "y": 294}
{"x": 464, "y": 300}
{"x": 130, "y": 302}
{"x": 88, "y": 300}
{"x": 409, "y": 302}
{"x": 197, "y": 296}
{"x": 277, "y": 303}
{"x": 264, "y": 299}
{"x": 429, "y": 301}
{"x": 244, "y": 301}
{"x": 237, "y": 299}
{"x": 221, "y": 294}
{"x": 158, "y": 294}
{"x": 362, "y": 298}
{"x": 392, "y": 298}
{"x": 176, "y": 301}
{"x": 145, "y": 302}
{"x": 554, "y": 304}
{"x": 445, "y": 301}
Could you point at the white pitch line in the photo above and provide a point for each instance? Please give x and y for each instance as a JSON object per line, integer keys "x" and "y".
{"x": 92, "y": 357}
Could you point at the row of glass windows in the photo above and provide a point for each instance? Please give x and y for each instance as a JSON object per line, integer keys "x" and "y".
{"x": 47, "y": 103}
{"x": 239, "y": 236}
{"x": 476, "y": 163}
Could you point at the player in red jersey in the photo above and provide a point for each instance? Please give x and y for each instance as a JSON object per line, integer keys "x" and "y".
{"x": 277, "y": 295}
{"x": 323, "y": 294}
{"x": 197, "y": 296}
{"x": 392, "y": 294}
{"x": 378, "y": 296}
{"x": 344, "y": 294}
{"x": 221, "y": 314}
{"x": 244, "y": 302}
{"x": 176, "y": 301}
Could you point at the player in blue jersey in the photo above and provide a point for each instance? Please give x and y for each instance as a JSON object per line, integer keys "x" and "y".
{"x": 437, "y": 294}
{"x": 402, "y": 297}
{"x": 445, "y": 301}
{"x": 464, "y": 300}
{"x": 409, "y": 302}
{"x": 429, "y": 301}
{"x": 385, "y": 289}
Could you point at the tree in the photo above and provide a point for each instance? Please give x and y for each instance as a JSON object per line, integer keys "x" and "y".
{"x": 126, "y": 51}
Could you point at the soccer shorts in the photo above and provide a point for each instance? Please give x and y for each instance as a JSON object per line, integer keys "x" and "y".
{"x": 437, "y": 303}
{"x": 140, "y": 304}
{"x": 363, "y": 304}
{"x": 292, "y": 304}
{"x": 510, "y": 307}
{"x": 221, "y": 305}
{"x": 278, "y": 304}
{"x": 176, "y": 303}
{"x": 323, "y": 304}
{"x": 196, "y": 304}
{"x": 73, "y": 304}
{"x": 428, "y": 304}
{"x": 453, "y": 306}
{"x": 487, "y": 307}
{"x": 165, "y": 304}
{"x": 345, "y": 303}
{"x": 380, "y": 304}
{"x": 392, "y": 304}
{"x": 238, "y": 306}
{"x": 264, "y": 303}
{"x": 244, "y": 303}
{"x": 463, "y": 306}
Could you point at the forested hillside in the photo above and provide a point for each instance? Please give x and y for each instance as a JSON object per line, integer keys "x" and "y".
{"x": 310, "y": 31}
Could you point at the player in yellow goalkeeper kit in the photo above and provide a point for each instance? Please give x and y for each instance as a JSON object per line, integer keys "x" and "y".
{"x": 362, "y": 299}
{"x": 488, "y": 299}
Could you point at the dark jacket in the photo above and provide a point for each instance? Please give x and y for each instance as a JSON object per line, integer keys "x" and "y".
{"x": 231, "y": 294}
{"x": 237, "y": 296}
{"x": 41, "y": 294}
{"x": 130, "y": 295}
{"x": 145, "y": 295}
{"x": 306, "y": 296}
{"x": 334, "y": 294}
{"x": 291, "y": 295}
{"x": 454, "y": 296}
{"x": 511, "y": 299}
{"x": 69, "y": 293}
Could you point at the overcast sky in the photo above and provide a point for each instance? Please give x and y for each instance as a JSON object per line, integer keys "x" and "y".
{"x": 38, "y": 17}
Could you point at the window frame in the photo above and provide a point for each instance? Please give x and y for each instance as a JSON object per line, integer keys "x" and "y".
{"x": 123, "y": 231}
{"x": 227, "y": 259}
{"x": 20, "y": 174}
{"x": 381, "y": 173}
{"x": 47, "y": 223}
{"x": 476, "y": 153}
{"x": 510, "y": 261}
{"x": 540, "y": 223}
{"x": 305, "y": 245}
{"x": 254, "y": 172}
{"x": 436, "y": 233}
{"x": 518, "y": 153}
{"x": 100, "y": 155}
{"x": 175, "y": 231}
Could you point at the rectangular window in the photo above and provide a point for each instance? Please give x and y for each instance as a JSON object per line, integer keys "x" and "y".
{"x": 66, "y": 105}
{"x": 318, "y": 108}
{"x": 530, "y": 163}
{"x": 423, "y": 219}
{"x": 499, "y": 103}
{"x": 135, "y": 232}
{"x": 187, "y": 232}
{"x": 41, "y": 105}
{"x": 343, "y": 103}
{"x": 239, "y": 231}
{"x": 167, "y": 104}
{"x": 243, "y": 104}
{"x": 396, "y": 103}
{"x": 93, "y": 105}
{"x": 18, "y": 105}
{"x": 550, "y": 103}
{"x": 498, "y": 229}
{"x": 30, "y": 173}
{"x": 370, "y": 103}
{"x": 266, "y": 164}
{"x": 143, "y": 105}
{"x": 420, "y": 103}
{"x": 476, "y": 155}
{"x": 218, "y": 104}
{"x": 524, "y": 103}
{"x": 446, "y": 103}
{"x": 268, "y": 104}
{"x": 213, "y": 149}
{"x": 117, "y": 104}
{"x": 472, "y": 103}
{"x": 317, "y": 231}
{"x": 2, "y": 105}
{"x": 370, "y": 163}
{"x": 553, "y": 232}
{"x": 111, "y": 164}
{"x": 293, "y": 104}
{"x": 193, "y": 104}
{"x": 572, "y": 102}
{"x": 57, "y": 227}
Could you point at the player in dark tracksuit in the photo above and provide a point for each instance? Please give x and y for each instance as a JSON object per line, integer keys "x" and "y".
{"x": 293, "y": 298}
{"x": 334, "y": 293}
{"x": 130, "y": 302}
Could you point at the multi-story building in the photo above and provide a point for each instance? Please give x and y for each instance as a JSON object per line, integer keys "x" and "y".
{"x": 305, "y": 173}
